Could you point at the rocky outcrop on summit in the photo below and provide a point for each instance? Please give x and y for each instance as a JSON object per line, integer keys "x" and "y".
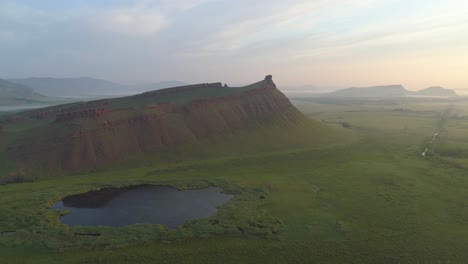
{"x": 87, "y": 135}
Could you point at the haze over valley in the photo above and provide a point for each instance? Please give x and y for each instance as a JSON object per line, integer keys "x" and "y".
{"x": 215, "y": 131}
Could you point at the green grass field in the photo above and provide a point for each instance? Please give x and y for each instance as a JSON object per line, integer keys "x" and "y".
{"x": 367, "y": 198}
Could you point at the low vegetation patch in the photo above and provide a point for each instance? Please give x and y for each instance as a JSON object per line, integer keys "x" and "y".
{"x": 13, "y": 177}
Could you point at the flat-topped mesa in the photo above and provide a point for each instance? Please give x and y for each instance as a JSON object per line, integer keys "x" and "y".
{"x": 146, "y": 124}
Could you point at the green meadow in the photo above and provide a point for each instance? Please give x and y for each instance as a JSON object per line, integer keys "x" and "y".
{"x": 368, "y": 196}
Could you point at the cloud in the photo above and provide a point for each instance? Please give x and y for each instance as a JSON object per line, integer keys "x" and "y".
{"x": 182, "y": 5}
{"x": 131, "y": 18}
{"x": 143, "y": 17}
{"x": 15, "y": 21}
{"x": 168, "y": 39}
{"x": 412, "y": 34}
{"x": 276, "y": 22}
{"x": 308, "y": 30}
{"x": 132, "y": 21}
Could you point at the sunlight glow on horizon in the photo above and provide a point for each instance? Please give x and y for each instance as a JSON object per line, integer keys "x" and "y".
{"x": 336, "y": 43}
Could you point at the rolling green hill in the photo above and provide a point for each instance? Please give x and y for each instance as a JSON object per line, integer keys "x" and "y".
{"x": 436, "y": 91}
{"x": 14, "y": 94}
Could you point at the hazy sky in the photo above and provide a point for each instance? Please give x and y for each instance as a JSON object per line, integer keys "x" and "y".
{"x": 339, "y": 43}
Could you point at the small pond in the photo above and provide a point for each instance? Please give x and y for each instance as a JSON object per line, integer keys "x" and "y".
{"x": 143, "y": 204}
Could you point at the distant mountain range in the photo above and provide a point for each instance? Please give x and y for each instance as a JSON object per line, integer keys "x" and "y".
{"x": 88, "y": 87}
{"x": 389, "y": 91}
{"x": 38, "y": 90}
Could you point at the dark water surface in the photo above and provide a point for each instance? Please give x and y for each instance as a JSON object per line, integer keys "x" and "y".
{"x": 144, "y": 204}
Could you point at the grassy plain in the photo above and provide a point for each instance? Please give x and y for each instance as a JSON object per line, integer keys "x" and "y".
{"x": 369, "y": 199}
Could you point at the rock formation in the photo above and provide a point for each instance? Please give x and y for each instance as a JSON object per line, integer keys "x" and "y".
{"x": 89, "y": 134}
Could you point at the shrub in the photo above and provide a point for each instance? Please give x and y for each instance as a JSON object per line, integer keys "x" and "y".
{"x": 14, "y": 177}
{"x": 345, "y": 124}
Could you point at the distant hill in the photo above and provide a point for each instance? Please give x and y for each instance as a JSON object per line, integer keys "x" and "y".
{"x": 13, "y": 94}
{"x": 305, "y": 90}
{"x": 374, "y": 91}
{"x": 390, "y": 91}
{"x": 69, "y": 87}
{"x": 436, "y": 91}
{"x": 205, "y": 119}
{"x": 88, "y": 87}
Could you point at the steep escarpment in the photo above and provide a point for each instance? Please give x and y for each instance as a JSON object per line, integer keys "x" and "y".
{"x": 88, "y": 135}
